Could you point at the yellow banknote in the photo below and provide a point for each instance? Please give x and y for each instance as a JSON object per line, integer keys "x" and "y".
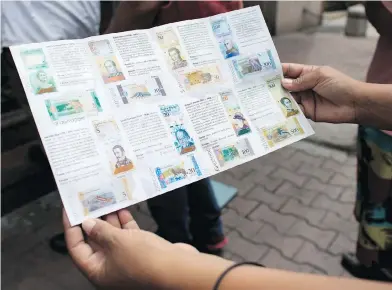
{"x": 282, "y": 131}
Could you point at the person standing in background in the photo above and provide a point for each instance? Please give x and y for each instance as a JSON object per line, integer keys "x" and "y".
{"x": 373, "y": 209}
{"x": 189, "y": 214}
{"x": 40, "y": 21}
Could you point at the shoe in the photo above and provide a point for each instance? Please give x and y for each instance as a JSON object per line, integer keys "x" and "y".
{"x": 213, "y": 249}
{"x": 355, "y": 268}
{"x": 57, "y": 244}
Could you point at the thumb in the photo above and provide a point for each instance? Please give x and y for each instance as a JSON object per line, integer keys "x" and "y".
{"x": 100, "y": 232}
{"x": 305, "y": 82}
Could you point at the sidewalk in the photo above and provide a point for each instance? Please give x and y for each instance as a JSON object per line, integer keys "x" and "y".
{"x": 293, "y": 210}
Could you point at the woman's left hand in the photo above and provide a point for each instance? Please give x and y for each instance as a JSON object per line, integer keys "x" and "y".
{"x": 118, "y": 255}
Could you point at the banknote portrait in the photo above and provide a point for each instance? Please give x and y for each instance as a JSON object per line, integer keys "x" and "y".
{"x": 110, "y": 69}
{"x": 282, "y": 98}
{"x": 42, "y": 82}
{"x": 174, "y": 118}
{"x": 170, "y": 45}
{"x": 228, "y": 47}
{"x": 123, "y": 163}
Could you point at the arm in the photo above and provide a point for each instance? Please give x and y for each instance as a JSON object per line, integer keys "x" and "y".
{"x": 374, "y": 105}
{"x": 188, "y": 277}
{"x": 125, "y": 257}
{"x": 131, "y": 15}
{"x": 380, "y": 16}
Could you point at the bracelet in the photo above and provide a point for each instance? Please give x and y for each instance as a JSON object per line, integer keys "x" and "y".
{"x": 220, "y": 278}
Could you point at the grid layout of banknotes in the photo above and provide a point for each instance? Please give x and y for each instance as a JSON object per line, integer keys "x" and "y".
{"x": 169, "y": 74}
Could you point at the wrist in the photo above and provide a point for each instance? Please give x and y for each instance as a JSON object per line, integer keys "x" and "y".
{"x": 190, "y": 271}
{"x": 373, "y": 105}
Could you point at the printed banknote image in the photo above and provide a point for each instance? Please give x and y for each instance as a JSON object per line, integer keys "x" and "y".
{"x": 233, "y": 152}
{"x": 101, "y": 47}
{"x": 281, "y": 96}
{"x": 257, "y": 63}
{"x": 73, "y": 105}
{"x": 141, "y": 91}
{"x": 220, "y": 26}
{"x": 174, "y": 118}
{"x": 120, "y": 163}
{"x": 223, "y": 35}
{"x": 283, "y": 131}
{"x": 42, "y": 82}
{"x": 96, "y": 199}
{"x": 110, "y": 69}
{"x": 106, "y": 130}
{"x": 197, "y": 78}
{"x": 34, "y": 59}
{"x": 176, "y": 171}
{"x": 236, "y": 117}
{"x": 170, "y": 45}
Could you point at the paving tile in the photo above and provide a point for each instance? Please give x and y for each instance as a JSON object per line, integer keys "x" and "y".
{"x": 289, "y": 246}
{"x": 297, "y": 209}
{"x": 290, "y": 190}
{"x": 242, "y": 206}
{"x": 264, "y": 214}
{"x": 342, "y": 245}
{"x": 319, "y": 173}
{"x": 322, "y": 238}
{"x": 245, "y": 249}
{"x": 349, "y": 195}
{"x": 301, "y": 157}
{"x": 262, "y": 195}
{"x": 311, "y": 255}
{"x": 342, "y": 180}
{"x": 333, "y": 222}
{"x": 342, "y": 209}
{"x": 244, "y": 226}
{"x": 274, "y": 259}
{"x": 345, "y": 169}
{"x": 333, "y": 191}
{"x": 291, "y": 176}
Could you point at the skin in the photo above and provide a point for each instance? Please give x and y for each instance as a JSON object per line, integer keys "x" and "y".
{"x": 118, "y": 255}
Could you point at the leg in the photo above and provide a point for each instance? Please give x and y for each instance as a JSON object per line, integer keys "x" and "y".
{"x": 170, "y": 212}
{"x": 373, "y": 254}
{"x": 205, "y": 224}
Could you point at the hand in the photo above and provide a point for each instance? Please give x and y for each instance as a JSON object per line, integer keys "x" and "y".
{"x": 118, "y": 255}
{"x": 323, "y": 93}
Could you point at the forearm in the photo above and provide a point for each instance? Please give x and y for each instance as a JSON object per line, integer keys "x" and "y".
{"x": 200, "y": 272}
{"x": 131, "y": 15}
{"x": 374, "y": 105}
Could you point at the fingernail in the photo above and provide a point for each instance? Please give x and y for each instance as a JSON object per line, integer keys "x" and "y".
{"x": 287, "y": 81}
{"x": 88, "y": 225}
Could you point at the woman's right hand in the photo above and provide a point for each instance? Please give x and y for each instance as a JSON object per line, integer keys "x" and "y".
{"x": 323, "y": 93}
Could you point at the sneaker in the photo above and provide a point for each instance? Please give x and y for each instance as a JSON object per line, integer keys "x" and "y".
{"x": 213, "y": 249}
